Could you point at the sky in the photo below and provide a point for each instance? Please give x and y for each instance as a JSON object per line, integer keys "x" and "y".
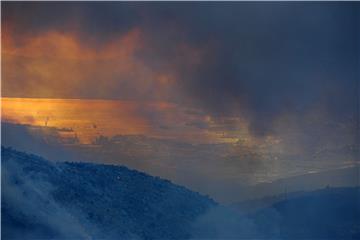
{"x": 281, "y": 76}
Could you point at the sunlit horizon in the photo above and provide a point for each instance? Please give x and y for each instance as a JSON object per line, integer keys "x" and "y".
{"x": 90, "y": 118}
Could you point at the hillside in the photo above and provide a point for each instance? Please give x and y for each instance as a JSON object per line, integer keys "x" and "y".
{"x": 330, "y": 213}
{"x": 43, "y": 199}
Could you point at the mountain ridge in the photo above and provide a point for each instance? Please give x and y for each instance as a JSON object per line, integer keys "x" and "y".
{"x": 104, "y": 201}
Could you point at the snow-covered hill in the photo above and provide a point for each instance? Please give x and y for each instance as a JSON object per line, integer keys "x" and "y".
{"x": 43, "y": 199}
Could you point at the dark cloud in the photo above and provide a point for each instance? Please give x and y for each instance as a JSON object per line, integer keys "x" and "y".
{"x": 93, "y": 22}
{"x": 276, "y": 58}
{"x": 198, "y": 124}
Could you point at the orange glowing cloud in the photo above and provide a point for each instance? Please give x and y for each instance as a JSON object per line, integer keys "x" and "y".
{"x": 42, "y": 72}
{"x": 60, "y": 65}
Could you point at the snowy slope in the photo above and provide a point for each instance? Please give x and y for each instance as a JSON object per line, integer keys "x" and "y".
{"x": 42, "y": 199}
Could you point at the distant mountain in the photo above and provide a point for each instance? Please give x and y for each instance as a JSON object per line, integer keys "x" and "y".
{"x": 43, "y": 199}
{"x": 330, "y": 213}
{"x": 342, "y": 177}
{"x": 253, "y": 205}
